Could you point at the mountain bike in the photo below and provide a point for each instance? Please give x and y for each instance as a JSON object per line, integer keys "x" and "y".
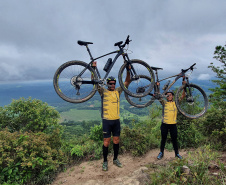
{"x": 193, "y": 105}
{"x": 76, "y": 81}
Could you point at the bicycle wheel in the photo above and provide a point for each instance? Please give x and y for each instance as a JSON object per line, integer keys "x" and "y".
{"x": 73, "y": 89}
{"x": 195, "y": 103}
{"x": 140, "y": 102}
{"x": 139, "y": 87}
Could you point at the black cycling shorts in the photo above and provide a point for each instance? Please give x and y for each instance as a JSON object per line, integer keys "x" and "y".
{"x": 111, "y": 126}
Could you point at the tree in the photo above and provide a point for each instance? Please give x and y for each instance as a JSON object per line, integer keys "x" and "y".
{"x": 28, "y": 115}
{"x": 219, "y": 93}
{"x": 215, "y": 122}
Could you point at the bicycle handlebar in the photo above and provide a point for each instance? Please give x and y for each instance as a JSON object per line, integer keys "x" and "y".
{"x": 190, "y": 68}
{"x": 126, "y": 42}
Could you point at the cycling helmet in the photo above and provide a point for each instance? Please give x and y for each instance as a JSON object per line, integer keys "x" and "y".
{"x": 170, "y": 91}
{"x": 111, "y": 78}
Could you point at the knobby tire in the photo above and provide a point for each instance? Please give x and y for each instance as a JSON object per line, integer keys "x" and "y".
{"x": 66, "y": 75}
{"x": 196, "y": 108}
{"x": 141, "y": 68}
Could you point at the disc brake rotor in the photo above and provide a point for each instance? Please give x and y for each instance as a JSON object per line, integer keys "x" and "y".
{"x": 76, "y": 81}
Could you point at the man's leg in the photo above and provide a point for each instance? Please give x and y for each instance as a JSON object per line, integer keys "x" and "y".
{"x": 164, "y": 132}
{"x": 107, "y": 139}
{"x": 116, "y": 146}
{"x": 173, "y": 134}
{"x": 105, "y": 148}
{"x": 116, "y": 134}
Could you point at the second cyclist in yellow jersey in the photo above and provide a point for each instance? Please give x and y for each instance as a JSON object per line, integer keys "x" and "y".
{"x": 169, "y": 115}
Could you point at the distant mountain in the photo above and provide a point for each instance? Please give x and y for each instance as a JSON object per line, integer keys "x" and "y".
{"x": 44, "y": 91}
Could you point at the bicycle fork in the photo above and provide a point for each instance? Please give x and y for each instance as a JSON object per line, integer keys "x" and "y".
{"x": 133, "y": 74}
{"x": 188, "y": 92}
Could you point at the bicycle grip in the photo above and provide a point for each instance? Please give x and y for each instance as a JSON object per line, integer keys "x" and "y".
{"x": 127, "y": 40}
{"x": 192, "y": 66}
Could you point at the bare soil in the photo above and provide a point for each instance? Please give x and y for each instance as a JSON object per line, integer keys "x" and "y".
{"x": 132, "y": 172}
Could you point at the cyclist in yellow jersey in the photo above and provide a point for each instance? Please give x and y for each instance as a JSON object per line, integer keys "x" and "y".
{"x": 169, "y": 120}
{"x": 110, "y": 99}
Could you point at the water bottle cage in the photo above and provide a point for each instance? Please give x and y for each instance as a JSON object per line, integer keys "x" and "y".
{"x": 108, "y": 64}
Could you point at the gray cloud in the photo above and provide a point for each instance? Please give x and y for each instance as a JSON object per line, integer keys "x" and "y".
{"x": 36, "y": 37}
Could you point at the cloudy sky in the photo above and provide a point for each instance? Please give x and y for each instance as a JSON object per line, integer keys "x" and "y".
{"x": 37, "y": 36}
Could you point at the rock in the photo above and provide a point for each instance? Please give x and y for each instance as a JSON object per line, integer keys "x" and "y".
{"x": 213, "y": 166}
{"x": 215, "y": 174}
{"x": 139, "y": 171}
{"x": 186, "y": 170}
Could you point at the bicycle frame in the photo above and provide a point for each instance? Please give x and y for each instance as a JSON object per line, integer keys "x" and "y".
{"x": 157, "y": 87}
{"x": 119, "y": 52}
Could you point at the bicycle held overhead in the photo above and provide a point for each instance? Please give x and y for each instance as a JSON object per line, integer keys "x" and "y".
{"x": 193, "y": 105}
{"x": 76, "y": 81}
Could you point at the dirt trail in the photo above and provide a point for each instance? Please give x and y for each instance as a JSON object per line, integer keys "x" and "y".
{"x": 90, "y": 172}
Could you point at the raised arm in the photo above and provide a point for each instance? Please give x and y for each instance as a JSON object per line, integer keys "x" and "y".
{"x": 161, "y": 100}
{"x": 183, "y": 93}
{"x": 99, "y": 88}
{"x": 94, "y": 65}
{"x": 128, "y": 79}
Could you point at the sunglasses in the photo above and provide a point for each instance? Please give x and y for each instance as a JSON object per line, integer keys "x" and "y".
{"x": 111, "y": 83}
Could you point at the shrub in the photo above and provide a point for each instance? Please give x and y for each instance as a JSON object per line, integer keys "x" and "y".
{"x": 28, "y": 158}
{"x": 28, "y": 115}
{"x": 96, "y": 133}
{"x": 197, "y": 161}
{"x": 189, "y": 134}
{"x": 215, "y": 126}
{"x": 89, "y": 149}
{"x": 139, "y": 139}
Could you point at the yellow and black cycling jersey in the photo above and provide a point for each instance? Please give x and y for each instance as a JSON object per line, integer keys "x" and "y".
{"x": 110, "y": 103}
{"x": 169, "y": 112}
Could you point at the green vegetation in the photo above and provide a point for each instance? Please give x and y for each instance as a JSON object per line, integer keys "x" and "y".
{"x": 81, "y": 115}
{"x": 35, "y": 144}
{"x": 192, "y": 170}
{"x": 28, "y": 115}
{"x": 29, "y": 158}
{"x": 215, "y": 122}
{"x": 30, "y": 142}
{"x": 219, "y": 93}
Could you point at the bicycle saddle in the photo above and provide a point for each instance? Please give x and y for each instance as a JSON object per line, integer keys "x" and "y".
{"x": 83, "y": 43}
{"x": 156, "y": 68}
{"x": 118, "y": 43}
